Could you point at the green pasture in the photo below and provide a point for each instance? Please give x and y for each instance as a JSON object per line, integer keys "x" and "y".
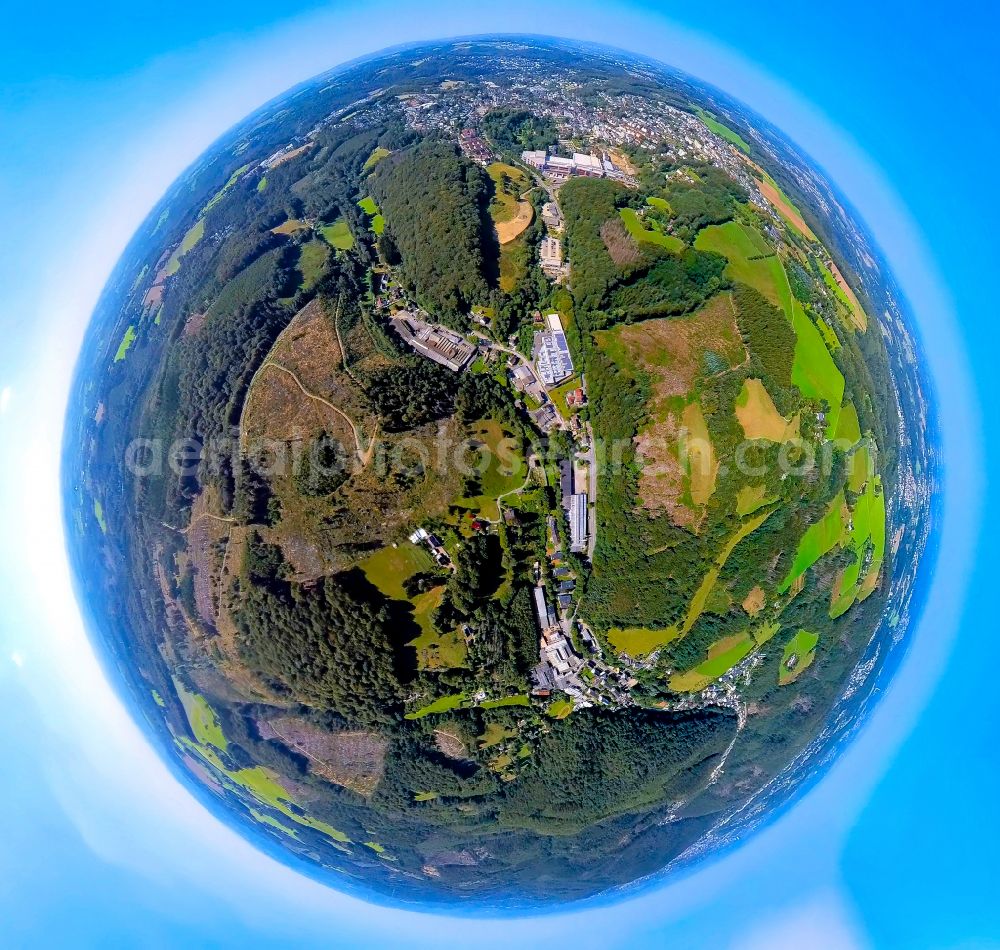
{"x": 99, "y": 515}
{"x": 723, "y": 131}
{"x": 637, "y": 641}
{"x": 637, "y": 228}
{"x": 521, "y": 700}
{"x": 560, "y": 708}
{"x": 338, "y": 235}
{"x": 440, "y": 705}
{"x": 126, "y": 343}
{"x": 813, "y": 371}
{"x": 498, "y": 464}
{"x": 819, "y": 539}
{"x": 376, "y": 156}
{"x": 313, "y": 256}
{"x": 752, "y": 260}
{"x": 221, "y": 193}
{"x": 803, "y": 647}
{"x": 193, "y": 235}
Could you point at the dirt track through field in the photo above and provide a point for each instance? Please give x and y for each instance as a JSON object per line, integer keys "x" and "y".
{"x": 364, "y": 454}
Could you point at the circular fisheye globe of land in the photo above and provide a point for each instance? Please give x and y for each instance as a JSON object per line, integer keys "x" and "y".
{"x": 497, "y": 471}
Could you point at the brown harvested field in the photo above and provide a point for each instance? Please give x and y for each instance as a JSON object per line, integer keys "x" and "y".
{"x": 858, "y": 314}
{"x": 623, "y": 249}
{"x": 352, "y": 759}
{"x": 670, "y": 351}
{"x": 755, "y": 601}
{"x": 154, "y": 296}
{"x": 294, "y": 153}
{"x": 510, "y": 229}
{"x": 760, "y": 419}
{"x": 785, "y": 209}
{"x": 290, "y": 226}
{"x": 702, "y": 462}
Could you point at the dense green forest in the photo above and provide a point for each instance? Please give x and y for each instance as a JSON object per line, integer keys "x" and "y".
{"x": 514, "y": 130}
{"x": 438, "y": 228}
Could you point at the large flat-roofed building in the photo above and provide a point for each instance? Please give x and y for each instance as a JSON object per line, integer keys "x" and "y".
{"x": 578, "y": 522}
{"x": 534, "y": 157}
{"x": 551, "y": 352}
{"x": 560, "y": 167}
{"x": 587, "y": 165}
{"x": 437, "y": 343}
{"x": 550, "y": 252}
{"x": 545, "y": 618}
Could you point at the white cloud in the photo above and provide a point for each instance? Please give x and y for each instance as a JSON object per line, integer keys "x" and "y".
{"x": 824, "y": 923}
{"x": 5, "y": 396}
{"x": 17, "y": 659}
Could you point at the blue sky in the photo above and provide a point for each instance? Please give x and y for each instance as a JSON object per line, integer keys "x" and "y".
{"x": 101, "y": 108}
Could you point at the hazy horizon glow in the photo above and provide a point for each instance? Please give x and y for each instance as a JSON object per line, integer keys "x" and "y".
{"x": 113, "y": 804}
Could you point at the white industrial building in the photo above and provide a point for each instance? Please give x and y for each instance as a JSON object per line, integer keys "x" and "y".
{"x": 578, "y": 522}
{"x": 551, "y": 352}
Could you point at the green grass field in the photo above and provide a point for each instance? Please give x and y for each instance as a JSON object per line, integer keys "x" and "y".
{"x": 262, "y": 185}
{"x": 521, "y": 700}
{"x": 803, "y": 647}
{"x": 722, "y": 657}
{"x": 751, "y": 497}
{"x": 637, "y": 641}
{"x": 494, "y": 734}
{"x": 194, "y": 234}
{"x": 388, "y": 567}
{"x": 258, "y": 781}
{"x": 559, "y": 394}
{"x": 724, "y": 131}
{"x": 509, "y": 182}
{"x": 502, "y": 467}
{"x": 99, "y": 515}
{"x": 637, "y": 228}
{"x": 814, "y": 372}
{"x": 848, "y": 425}
{"x": 858, "y": 317}
{"x": 868, "y": 528}
{"x": 376, "y": 156}
{"x": 338, "y": 235}
{"x": 860, "y": 468}
{"x": 126, "y": 343}
{"x": 820, "y": 538}
{"x": 313, "y": 257}
{"x": 201, "y": 717}
{"x": 443, "y": 704}
{"x": 560, "y": 708}
{"x": 377, "y": 222}
{"x": 751, "y": 260}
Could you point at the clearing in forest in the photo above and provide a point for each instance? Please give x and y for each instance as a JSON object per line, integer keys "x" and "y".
{"x": 799, "y": 652}
{"x": 338, "y": 235}
{"x": 760, "y": 419}
{"x": 676, "y": 478}
{"x": 636, "y": 226}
